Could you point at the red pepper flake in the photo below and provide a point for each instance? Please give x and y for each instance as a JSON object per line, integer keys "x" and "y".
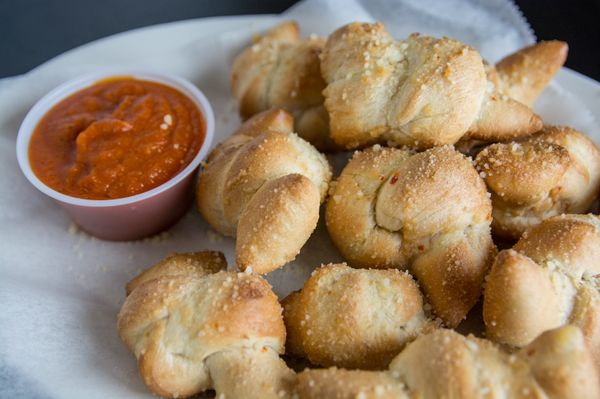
{"x": 530, "y": 352}
{"x": 394, "y": 179}
{"x": 421, "y": 247}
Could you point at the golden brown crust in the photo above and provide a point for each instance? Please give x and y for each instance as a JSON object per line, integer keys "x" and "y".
{"x": 467, "y": 367}
{"x": 174, "y": 323}
{"x": 354, "y": 318}
{"x": 282, "y": 211}
{"x": 349, "y": 210}
{"x": 264, "y": 175}
{"x": 293, "y": 320}
{"x": 562, "y": 364}
{"x": 249, "y": 75}
{"x": 383, "y": 90}
{"x": 250, "y": 373}
{"x": 336, "y": 383}
{"x": 586, "y": 315}
{"x": 549, "y": 279}
{"x": 426, "y": 212}
{"x": 515, "y": 283}
{"x": 419, "y": 92}
{"x": 514, "y": 85}
{"x": 502, "y": 118}
{"x": 451, "y": 272}
{"x": 445, "y": 364}
{"x": 280, "y": 70}
{"x": 555, "y": 171}
{"x": 196, "y": 264}
{"x": 276, "y": 120}
{"x": 313, "y": 126}
{"x": 524, "y": 74}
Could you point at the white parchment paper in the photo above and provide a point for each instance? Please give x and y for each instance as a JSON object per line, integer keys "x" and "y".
{"x": 60, "y": 289}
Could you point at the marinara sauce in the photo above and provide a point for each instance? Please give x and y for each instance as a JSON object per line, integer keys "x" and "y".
{"x": 116, "y": 138}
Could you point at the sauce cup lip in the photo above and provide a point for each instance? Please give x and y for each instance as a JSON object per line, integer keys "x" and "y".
{"x": 44, "y": 104}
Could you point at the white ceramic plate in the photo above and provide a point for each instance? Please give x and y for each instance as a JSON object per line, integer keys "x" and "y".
{"x": 60, "y": 290}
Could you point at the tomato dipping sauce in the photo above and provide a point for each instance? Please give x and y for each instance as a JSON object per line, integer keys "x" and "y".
{"x": 117, "y": 138}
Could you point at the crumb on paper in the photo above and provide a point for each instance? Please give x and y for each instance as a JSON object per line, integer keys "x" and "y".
{"x": 101, "y": 267}
{"x": 232, "y": 105}
{"x": 73, "y": 229}
{"x": 158, "y": 238}
{"x": 214, "y": 237}
{"x": 224, "y": 118}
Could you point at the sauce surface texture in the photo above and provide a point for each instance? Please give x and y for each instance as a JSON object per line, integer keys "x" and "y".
{"x": 116, "y": 138}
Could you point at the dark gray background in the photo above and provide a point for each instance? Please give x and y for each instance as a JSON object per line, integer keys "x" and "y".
{"x": 33, "y": 31}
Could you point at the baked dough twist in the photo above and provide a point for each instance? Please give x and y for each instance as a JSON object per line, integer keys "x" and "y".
{"x": 264, "y": 185}
{"x": 548, "y": 279}
{"x": 552, "y": 172}
{"x": 280, "y": 70}
{"x": 354, "y": 318}
{"x": 427, "y": 212}
{"x": 420, "y": 92}
{"x": 193, "y": 328}
{"x": 524, "y": 74}
{"x": 445, "y": 364}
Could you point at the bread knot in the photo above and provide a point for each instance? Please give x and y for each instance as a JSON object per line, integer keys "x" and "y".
{"x": 427, "y": 212}
{"x": 552, "y": 172}
{"x": 264, "y": 186}
{"x": 194, "y": 326}
{"x": 548, "y": 279}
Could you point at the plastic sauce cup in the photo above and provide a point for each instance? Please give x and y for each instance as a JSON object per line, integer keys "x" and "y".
{"x": 131, "y": 217}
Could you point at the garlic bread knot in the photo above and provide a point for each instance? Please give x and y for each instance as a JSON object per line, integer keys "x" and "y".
{"x": 548, "y": 279}
{"x": 426, "y": 212}
{"x": 552, "y": 172}
{"x": 354, "y": 318}
{"x": 281, "y": 70}
{"x": 264, "y": 186}
{"x": 194, "y": 326}
{"x": 420, "y": 92}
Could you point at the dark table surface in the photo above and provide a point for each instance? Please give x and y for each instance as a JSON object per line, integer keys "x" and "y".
{"x": 33, "y": 31}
